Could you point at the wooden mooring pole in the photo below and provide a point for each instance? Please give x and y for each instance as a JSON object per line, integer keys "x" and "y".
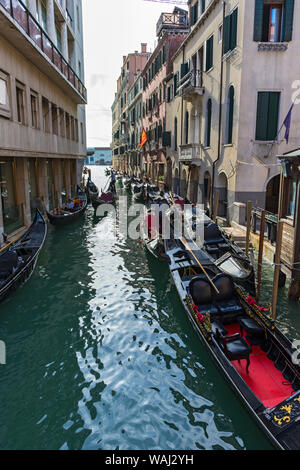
{"x": 260, "y": 253}
{"x": 277, "y": 269}
{"x": 249, "y": 213}
{"x": 217, "y": 206}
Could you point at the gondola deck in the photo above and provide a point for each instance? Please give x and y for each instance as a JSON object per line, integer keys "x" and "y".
{"x": 258, "y": 365}
{"x": 20, "y": 258}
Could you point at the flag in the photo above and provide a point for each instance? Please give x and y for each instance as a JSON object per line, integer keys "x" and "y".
{"x": 144, "y": 139}
{"x": 287, "y": 124}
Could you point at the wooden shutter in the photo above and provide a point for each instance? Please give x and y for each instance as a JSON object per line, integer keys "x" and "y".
{"x": 273, "y": 108}
{"x": 262, "y": 116}
{"x": 230, "y": 114}
{"x": 208, "y": 129}
{"x": 209, "y": 53}
{"x": 233, "y": 29}
{"x": 202, "y": 6}
{"x": 258, "y": 20}
{"x": 226, "y": 34}
{"x": 289, "y": 6}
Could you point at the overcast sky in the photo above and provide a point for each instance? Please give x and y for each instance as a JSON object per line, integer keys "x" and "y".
{"x": 112, "y": 28}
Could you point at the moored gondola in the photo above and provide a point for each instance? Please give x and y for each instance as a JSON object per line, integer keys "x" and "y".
{"x": 222, "y": 251}
{"x": 91, "y": 190}
{"x": 68, "y": 215}
{"x": 18, "y": 261}
{"x": 254, "y": 355}
{"x": 108, "y": 197}
{"x": 151, "y": 235}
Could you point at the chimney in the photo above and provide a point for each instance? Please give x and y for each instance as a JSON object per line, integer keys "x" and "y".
{"x": 144, "y": 47}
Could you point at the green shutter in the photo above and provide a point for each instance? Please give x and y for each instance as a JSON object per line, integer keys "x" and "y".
{"x": 226, "y": 34}
{"x": 258, "y": 20}
{"x": 230, "y": 115}
{"x": 273, "y": 110}
{"x": 209, "y": 53}
{"x": 233, "y": 29}
{"x": 288, "y": 20}
{"x": 262, "y": 116}
{"x": 202, "y": 6}
{"x": 208, "y": 134}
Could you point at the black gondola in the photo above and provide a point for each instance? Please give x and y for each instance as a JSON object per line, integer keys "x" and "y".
{"x": 91, "y": 190}
{"x": 108, "y": 197}
{"x": 18, "y": 261}
{"x": 222, "y": 251}
{"x": 254, "y": 355}
{"x": 151, "y": 236}
{"x": 65, "y": 217}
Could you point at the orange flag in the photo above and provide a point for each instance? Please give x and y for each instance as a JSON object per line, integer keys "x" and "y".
{"x": 144, "y": 139}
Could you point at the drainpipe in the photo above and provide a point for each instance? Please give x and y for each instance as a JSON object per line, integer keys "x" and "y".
{"x": 220, "y": 118}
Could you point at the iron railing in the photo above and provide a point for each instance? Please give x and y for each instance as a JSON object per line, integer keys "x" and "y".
{"x": 19, "y": 13}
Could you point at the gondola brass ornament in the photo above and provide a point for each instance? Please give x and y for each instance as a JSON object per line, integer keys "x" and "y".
{"x": 259, "y": 312}
{"x": 281, "y": 421}
{"x": 287, "y": 408}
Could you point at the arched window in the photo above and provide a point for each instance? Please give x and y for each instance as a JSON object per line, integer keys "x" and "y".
{"x": 208, "y": 123}
{"x": 175, "y": 133}
{"x": 186, "y": 133}
{"x": 230, "y": 112}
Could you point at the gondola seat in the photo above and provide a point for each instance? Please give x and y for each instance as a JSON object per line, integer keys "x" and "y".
{"x": 228, "y": 305}
{"x": 218, "y": 329}
{"x": 251, "y": 327}
{"x": 201, "y": 292}
{"x": 235, "y": 348}
{"x": 8, "y": 264}
{"x": 212, "y": 234}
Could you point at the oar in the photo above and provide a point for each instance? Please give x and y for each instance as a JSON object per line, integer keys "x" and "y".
{"x": 185, "y": 243}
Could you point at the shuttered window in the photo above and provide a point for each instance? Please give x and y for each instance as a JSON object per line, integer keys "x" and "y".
{"x": 194, "y": 13}
{"x": 230, "y": 115}
{"x": 208, "y": 123}
{"x": 184, "y": 69}
{"x": 230, "y": 31}
{"x": 209, "y": 53}
{"x": 273, "y": 22}
{"x": 267, "y": 115}
{"x": 202, "y": 6}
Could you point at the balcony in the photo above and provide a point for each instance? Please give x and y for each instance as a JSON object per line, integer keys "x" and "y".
{"x": 190, "y": 87}
{"x": 190, "y": 154}
{"x": 16, "y": 22}
{"x": 172, "y": 21}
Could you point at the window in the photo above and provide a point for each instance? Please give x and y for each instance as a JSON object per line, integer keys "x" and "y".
{"x": 186, "y": 128}
{"x": 62, "y": 128}
{"x": 220, "y": 33}
{"x": 4, "y": 96}
{"x": 202, "y": 6}
{"x": 34, "y": 110}
{"x": 208, "y": 123}
{"x": 230, "y": 113}
{"x": 54, "y": 114}
{"x": 273, "y": 21}
{"x": 20, "y": 92}
{"x": 230, "y": 31}
{"x": 209, "y": 53}
{"x": 292, "y": 198}
{"x": 267, "y": 115}
{"x": 58, "y": 37}
{"x": 46, "y": 115}
{"x": 44, "y": 15}
{"x": 194, "y": 13}
{"x": 175, "y": 134}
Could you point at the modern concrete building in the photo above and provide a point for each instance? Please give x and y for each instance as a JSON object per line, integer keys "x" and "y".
{"x": 99, "y": 156}
{"x": 132, "y": 65}
{"x": 171, "y": 30}
{"x": 42, "y": 112}
{"x": 236, "y": 74}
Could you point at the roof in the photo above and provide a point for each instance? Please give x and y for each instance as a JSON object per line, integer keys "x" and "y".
{"x": 290, "y": 155}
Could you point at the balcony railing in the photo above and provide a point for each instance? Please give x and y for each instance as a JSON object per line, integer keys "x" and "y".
{"x": 191, "y": 84}
{"x": 18, "y": 11}
{"x": 172, "y": 21}
{"x": 191, "y": 153}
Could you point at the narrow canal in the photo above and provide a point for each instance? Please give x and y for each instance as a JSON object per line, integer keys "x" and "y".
{"x": 100, "y": 354}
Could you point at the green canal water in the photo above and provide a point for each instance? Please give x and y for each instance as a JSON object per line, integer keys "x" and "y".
{"x": 100, "y": 354}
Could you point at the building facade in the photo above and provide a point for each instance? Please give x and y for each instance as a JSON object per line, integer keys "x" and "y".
{"x": 99, "y": 156}
{"x": 135, "y": 125}
{"x": 132, "y": 65}
{"x": 233, "y": 88}
{"x": 42, "y": 112}
{"x": 172, "y": 29}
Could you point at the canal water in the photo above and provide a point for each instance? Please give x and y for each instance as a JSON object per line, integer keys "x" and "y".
{"x": 100, "y": 354}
